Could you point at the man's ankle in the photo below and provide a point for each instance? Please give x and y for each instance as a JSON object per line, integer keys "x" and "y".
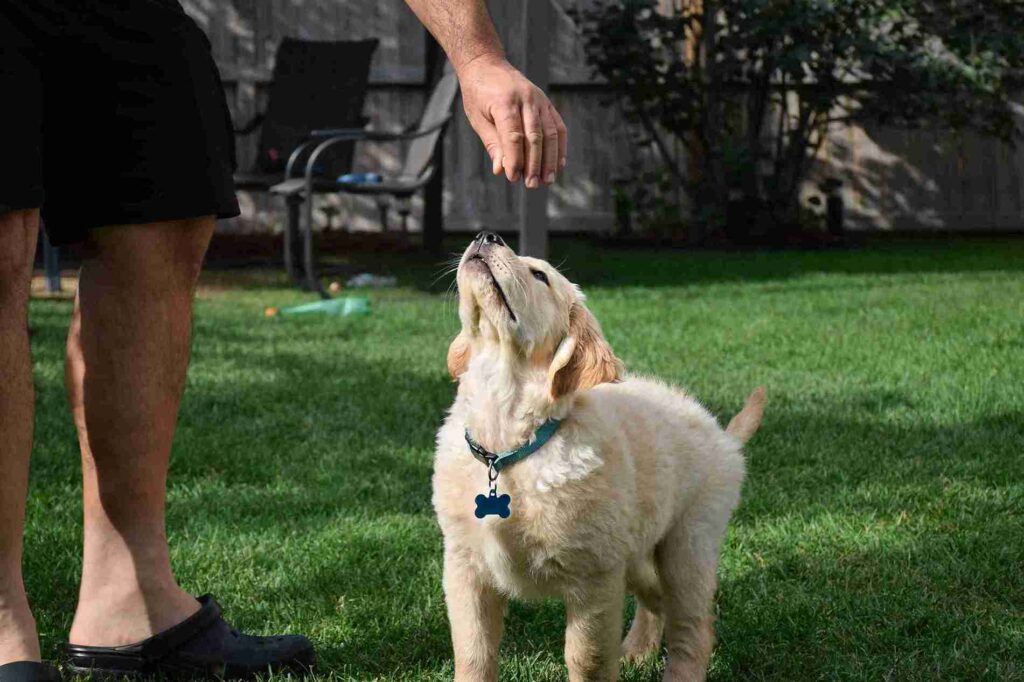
{"x": 18, "y": 639}
{"x": 114, "y": 616}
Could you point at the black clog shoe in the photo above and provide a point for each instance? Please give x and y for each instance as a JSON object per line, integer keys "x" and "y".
{"x": 203, "y": 646}
{"x": 28, "y": 671}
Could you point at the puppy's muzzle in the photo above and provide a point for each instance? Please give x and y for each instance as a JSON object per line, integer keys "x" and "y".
{"x": 484, "y": 242}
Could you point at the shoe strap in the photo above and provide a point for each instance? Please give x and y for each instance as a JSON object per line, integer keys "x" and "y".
{"x": 172, "y": 639}
{"x": 157, "y": 646}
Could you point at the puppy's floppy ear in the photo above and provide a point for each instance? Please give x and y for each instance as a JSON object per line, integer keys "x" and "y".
{"x": 458, "y": 356}
{"x": 584, "y": 359}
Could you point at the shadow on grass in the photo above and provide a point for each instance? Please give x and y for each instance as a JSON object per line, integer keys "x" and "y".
{"x": 871, "y": 544}
{"x": 899, "y": 610}
{"x": 863, "y": 551}
{"x": 590, "y": 264}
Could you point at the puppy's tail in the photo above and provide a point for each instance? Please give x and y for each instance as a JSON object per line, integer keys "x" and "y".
{"x": 744, "y": 425}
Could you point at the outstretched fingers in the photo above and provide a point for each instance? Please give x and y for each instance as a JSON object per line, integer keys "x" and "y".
{"x": 533, "y": 122}
{"x": 491, "y": 139}
{"x": 553, "y": 136}
{"x": 509, "y": 122}
{"x": 523, "y": 133}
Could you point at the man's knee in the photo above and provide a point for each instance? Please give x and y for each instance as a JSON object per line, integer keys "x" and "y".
{"x": 18, "y": 232}
{"x": 191, "y": 239}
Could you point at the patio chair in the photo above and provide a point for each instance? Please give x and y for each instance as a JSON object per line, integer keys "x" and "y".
{"x": 417, "y": 168}
{"x": 315, "y": 85}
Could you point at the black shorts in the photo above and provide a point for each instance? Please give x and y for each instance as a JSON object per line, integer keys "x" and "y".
{"x": 112, "y": 113}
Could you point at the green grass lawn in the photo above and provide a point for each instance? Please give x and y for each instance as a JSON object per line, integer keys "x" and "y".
{"x": 881, "y": 533}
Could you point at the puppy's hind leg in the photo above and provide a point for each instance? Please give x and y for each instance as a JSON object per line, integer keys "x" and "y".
{"x": 688, "y": 562}
{"x": 644, "y": 636}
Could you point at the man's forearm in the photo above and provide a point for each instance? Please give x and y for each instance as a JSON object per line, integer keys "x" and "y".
{"x": 463, "y": 28}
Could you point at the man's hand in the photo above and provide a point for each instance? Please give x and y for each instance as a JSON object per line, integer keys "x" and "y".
{"x": 522, "y": 132}
{"x": 520, "y": 128}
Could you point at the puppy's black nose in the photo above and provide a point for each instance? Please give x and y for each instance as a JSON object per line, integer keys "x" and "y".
{"x": 488, "y": 237}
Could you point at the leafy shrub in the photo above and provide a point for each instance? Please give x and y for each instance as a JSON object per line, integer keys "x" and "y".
{"x": 751, "y": 88}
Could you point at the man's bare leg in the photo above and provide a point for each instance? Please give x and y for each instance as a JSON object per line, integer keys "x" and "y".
{"x": 18, "y": 230}
{"x": 128, "y": 351}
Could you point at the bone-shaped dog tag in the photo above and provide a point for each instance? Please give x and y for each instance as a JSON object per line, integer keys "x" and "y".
{"x": 493, "y": 504}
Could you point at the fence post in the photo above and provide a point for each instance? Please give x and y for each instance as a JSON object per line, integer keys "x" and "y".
{"x": 533, "y": 204}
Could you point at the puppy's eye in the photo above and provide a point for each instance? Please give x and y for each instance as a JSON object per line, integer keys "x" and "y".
{"x": 540, "y": 277}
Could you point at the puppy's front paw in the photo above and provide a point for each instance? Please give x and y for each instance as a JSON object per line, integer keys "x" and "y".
{"x": 635, "y": 649}
{"x": 685, "y": 671}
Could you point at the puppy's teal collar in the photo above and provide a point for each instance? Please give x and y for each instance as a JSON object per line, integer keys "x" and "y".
{"x": 499, "y": 460}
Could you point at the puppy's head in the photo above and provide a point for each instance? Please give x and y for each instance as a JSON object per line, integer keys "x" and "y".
{"x": 519, "y": 309}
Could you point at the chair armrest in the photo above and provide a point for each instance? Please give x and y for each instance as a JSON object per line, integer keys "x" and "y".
{"x": 329, "y": 138}
{"x": 343, "y": 134}
{"x": 250, "y": 127}
{"x": 289, "y": 187}
{"x": 350, "y": 134}
{"x": 293, "y": 158}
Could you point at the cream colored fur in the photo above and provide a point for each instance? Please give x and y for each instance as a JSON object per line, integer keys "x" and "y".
{"x": 631, "y": 495}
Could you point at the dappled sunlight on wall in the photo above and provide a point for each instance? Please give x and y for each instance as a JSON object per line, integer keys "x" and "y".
{"x": 924, "y": 179}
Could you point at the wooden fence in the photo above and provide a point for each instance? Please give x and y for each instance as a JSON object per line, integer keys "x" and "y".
{"x": 926, "y": 180}
{"x": 893, "y": 179}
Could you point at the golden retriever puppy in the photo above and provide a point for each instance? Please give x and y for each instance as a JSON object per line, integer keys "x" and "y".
{"x": 558, "y": 475}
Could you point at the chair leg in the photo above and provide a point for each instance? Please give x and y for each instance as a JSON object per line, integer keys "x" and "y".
{"x": 329, "y": 213}
{"x": 404, "y": 209}
{"x": 382, "y": 207}
{"x": 293, "y": 203}
{"x": 312, "y": 282}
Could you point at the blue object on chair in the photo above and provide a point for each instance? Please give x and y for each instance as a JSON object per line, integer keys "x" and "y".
{"x": 360, "y": 179}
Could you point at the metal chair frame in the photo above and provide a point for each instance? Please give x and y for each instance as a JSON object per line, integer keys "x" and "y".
{"x": 324, "y": 140}
{"x": 419, "y": 167}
